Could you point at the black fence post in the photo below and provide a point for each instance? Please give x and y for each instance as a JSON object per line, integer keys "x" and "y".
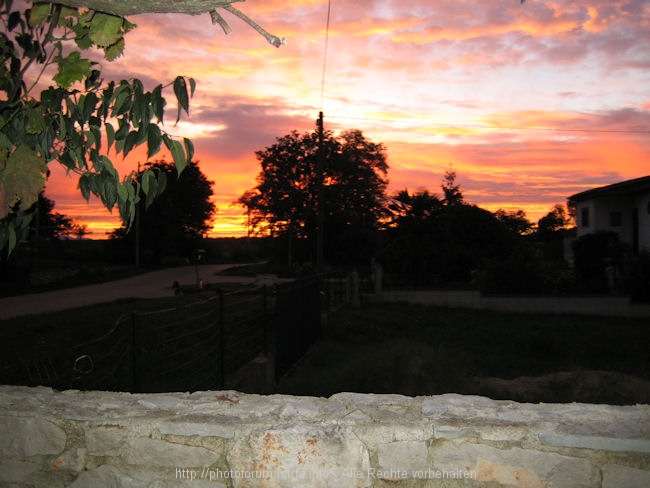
{"x": 222, "y": 342}
{"x": 266, "y": 321}
{"x": 136, "y": 335}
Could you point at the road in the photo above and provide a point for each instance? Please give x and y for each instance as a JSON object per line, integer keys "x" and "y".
{"x": 154, "y": 284}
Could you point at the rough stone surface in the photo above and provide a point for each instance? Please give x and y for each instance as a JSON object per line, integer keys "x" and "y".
{"x": 16, "y": 471}
{"x": 231, "y": 439}
{"x": 515, "y": 466}
{"x": 105, "y": 440}
{"x": 72, "y": 460}
{"x": 29, "y": 436}
{"x": 615, "y": 476}
{"x": 402, "y": 456}
{"x": 106, "y": 477}
{"x": 151, "y": 452}
{"x": 202, "y": 425}
{"x": 596, "y": 442}
{"x": 300, "y": 455}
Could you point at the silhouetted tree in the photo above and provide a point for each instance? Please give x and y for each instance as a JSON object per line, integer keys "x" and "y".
{"x": 48, "y": 224}
{"x": 556, "y": 219}
{"x": 551, "y": 231}
{"x": 285, "y": 200}
{"x": 443, "y": 242}
{"x": 515, "y": 221}
{"x": 451, "y": 190}
{"x": 177, "y": 219}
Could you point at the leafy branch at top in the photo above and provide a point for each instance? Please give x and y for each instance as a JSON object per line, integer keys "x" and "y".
{"x": 81, "y": 120}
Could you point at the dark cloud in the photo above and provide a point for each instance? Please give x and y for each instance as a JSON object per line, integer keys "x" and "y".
{"x": 246, "y": 125}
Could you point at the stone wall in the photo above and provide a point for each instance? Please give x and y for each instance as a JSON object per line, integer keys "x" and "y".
{"x": 226, "y": 438}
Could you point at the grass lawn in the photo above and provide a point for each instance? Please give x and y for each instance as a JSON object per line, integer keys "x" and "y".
{"x": 419, "y": 350}
{"x": 415, "y": 350}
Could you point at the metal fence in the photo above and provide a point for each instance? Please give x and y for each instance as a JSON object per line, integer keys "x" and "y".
{"x": 188, "y": 348}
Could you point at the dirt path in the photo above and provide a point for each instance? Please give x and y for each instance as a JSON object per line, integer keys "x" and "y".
{"x": 148, "y": 285}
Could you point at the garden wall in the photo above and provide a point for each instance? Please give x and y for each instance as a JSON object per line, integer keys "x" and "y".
{"x": 225, "y": 438}
{"x": 583, "y": 305}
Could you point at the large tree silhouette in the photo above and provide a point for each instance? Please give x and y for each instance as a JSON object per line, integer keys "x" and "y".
{"x": 176, "y": 220}
{"x": 285, "y": 200}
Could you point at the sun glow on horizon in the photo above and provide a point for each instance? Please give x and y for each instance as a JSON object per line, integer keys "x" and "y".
{"x": 528, "y": 103}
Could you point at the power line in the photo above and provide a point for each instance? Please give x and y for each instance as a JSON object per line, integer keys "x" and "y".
{"x": 492, "y": 127}
{"x": 327, "y": 35}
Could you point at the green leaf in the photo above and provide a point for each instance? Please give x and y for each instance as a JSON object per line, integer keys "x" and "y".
{"x": 122, "y": 192}
{"x": 12, "y": 239}
{"x": 34, "y": 123}
{"x": 108, "y": 190}
{"x": 162, "y": 182}
{"x": 158, "y": 103}
{"x": 110, "y": 134}
{"x": 122, "y": 98}
{"x": 180, "y": 90}
{"x": 149, "y": 187}
{"x": 83, "y": 41}
{"x": 189, "y": 148}
{"x": 178, "y": 153}
{"x": 39, "y": 13}
{"x": 154, "y": 140}
{"x": 105, "y": 29}
{"x": 131, "y": 142}
{"x": 5, "y": 142}
{"x": 71, "y": 68}
{"x": 114, "y": 51}
{"x": 21, "y": 180}
{"x": 192, "y": 86}
{"x": 85, "y": 185}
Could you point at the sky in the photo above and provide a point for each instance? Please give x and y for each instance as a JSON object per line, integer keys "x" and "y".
{"x": 528, "y": 104}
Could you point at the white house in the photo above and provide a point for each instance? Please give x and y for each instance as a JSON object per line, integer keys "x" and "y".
{"x": 622, "y": 207}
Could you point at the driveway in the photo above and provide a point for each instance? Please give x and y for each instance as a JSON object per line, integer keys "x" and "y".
{"x": 148, "y": 285}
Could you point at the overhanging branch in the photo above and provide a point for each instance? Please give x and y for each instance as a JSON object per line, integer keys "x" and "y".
{"x": 124, "y": 8}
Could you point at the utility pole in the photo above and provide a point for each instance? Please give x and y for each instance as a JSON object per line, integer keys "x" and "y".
{"x": 320, "y": 231}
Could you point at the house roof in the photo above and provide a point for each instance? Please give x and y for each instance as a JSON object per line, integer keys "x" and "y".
{"x": 624, "y": 188}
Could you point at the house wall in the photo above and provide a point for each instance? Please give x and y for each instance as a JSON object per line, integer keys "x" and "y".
{"x": 225, "y": 438}
{"x": 643, "y": 204}
{"x": 601, "y": 208}
{"x": 582, "y": 228}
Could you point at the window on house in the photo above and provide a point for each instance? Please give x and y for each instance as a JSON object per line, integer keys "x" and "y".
{"x": 615, "y": 219}
{"x": 584, "y": 217}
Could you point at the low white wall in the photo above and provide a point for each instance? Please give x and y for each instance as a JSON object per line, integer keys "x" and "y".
{"x": 583, "y": 305}
{"x": 226, "y": 438}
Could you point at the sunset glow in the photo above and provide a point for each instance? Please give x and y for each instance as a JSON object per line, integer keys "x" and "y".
{"x": 529, "y": 103}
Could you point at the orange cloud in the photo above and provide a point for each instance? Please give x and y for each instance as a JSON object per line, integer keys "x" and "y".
{"x": 517, "y": 99}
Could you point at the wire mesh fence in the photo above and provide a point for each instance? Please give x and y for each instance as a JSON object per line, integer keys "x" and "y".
{"x": 196, "y": 346}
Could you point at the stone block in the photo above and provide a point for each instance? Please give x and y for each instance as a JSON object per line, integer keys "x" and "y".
{"x": 516, "y": 467}
{"x": 616, "y": 476}
{"x": 300, "y": 454}
{"x": 29, "y": 436}
{"x": 105, "y": 440}
{"x": 106, "y": 477}
{"x": 202, "y": 425}
{"x": 153, "y": 452}
{"x": 71, "y": 460}
{"x": 16, "y": 471}
{"x": 596, "y": 442}
{"x": 402, "y": 456}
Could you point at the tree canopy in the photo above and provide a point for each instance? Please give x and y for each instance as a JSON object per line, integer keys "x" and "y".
{"x": 285, "y": 200}
{"x": 49, "y": 224}
{"x": 177, "y": 218}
